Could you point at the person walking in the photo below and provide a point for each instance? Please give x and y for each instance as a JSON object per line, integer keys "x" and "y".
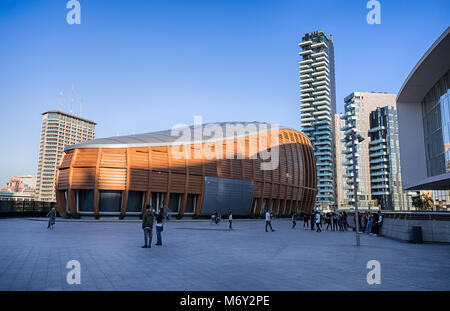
{"x": 345, "y": 220}
{"x": 159, "y": 217}
{"x": 294, "y": 216}
{"x": 313, "y": 220}
{"x": 147, "y": 226}
{"x": 305, "y": 221}
{"x": 268, "y": 221}
{"x": 318, "y": 220}
{"x": 51, "y": 218}
{"x": 230, "y": 220}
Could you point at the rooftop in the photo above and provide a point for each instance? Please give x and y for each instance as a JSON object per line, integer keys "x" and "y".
{"x": 69, "y": 115}
{"x": 181, "y": 135}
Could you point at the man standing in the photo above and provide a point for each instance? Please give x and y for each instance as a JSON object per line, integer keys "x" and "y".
{"x": 335, "y": 221}
{"x": 268, "y": 221}
{"x": 380, "y": 223}
{"x": 147, "y": 225}
{"x": 230, "y": 220}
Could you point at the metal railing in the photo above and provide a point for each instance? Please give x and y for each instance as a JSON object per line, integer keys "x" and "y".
{"x": 25, "y": 208}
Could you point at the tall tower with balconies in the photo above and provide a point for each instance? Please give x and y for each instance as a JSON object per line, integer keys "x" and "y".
{"x": 318, "y": 105}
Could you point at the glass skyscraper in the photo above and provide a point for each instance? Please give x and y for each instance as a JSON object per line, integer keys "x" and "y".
{"x": 318, "y": 105}
{"x": 384, "y": 154}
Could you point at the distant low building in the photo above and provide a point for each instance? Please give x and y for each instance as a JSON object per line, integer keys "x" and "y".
{"x": 16, "y": 196}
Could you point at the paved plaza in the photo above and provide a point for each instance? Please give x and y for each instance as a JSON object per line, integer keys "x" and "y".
{"x": 199, "y": 255}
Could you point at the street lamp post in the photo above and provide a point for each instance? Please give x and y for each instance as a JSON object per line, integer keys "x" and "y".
{"x": 352, "y": 137}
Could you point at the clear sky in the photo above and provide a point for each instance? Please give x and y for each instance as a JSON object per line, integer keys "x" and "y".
{"x": 140, "y": 66}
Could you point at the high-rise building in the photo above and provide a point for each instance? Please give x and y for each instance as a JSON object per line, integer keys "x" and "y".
{"x": 318, "y": 105}
{"x": 341, "y": 193}
{"x": 59, "y": 129}
{"x": 384, "y": 154}
{"x": 358, "y": 106}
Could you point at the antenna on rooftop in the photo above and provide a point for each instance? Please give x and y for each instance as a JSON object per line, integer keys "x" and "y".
{"x": 60, "y": 100}
{"x": 71, "y": 100}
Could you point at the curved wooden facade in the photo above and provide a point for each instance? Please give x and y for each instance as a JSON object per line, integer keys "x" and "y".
{"x": 143, "y": 171}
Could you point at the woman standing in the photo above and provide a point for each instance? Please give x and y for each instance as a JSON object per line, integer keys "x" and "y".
{"x": 159, "y": 227}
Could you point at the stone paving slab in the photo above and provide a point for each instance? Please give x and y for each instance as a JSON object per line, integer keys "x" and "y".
{"x": 203, "y": 256}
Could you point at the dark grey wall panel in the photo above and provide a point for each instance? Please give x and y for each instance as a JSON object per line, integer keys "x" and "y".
{"x": 226, "y": 194}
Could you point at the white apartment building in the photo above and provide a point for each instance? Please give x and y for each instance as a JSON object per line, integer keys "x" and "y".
{"x": 59, "y": 129}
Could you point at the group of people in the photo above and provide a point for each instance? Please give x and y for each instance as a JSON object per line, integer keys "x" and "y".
{"x": 335, "y": 221}
{"x": 370, "y": 223}
{"x": 148, "y": 219}
{"x": 215, "y": 217}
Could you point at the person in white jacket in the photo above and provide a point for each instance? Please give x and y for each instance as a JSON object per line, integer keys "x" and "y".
{"x": 268, "y": 221}
{"x": 318, "y": 222}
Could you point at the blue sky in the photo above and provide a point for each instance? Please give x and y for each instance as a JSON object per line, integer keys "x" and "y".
{"x": 140, "y": 66}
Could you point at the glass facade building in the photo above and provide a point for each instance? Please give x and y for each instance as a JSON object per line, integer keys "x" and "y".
{"x": 318, "y": 106}
{"x": 384, "y": 154}
{"x": 424, "y": 120}
{"x": 358, "y": 106}
{"x": 436, "y": 127}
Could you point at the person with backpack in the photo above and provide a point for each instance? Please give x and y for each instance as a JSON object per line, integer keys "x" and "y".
{"x": 147, "y": 226}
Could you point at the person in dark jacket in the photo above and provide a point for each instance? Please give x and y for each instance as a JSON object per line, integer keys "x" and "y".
{"x": 51, "y": 218}
{"x": 159, "y": 217}
{"x": 345, "y": 221}
{"x": 313, "y": 220}
{"x": 147, "y": 226}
